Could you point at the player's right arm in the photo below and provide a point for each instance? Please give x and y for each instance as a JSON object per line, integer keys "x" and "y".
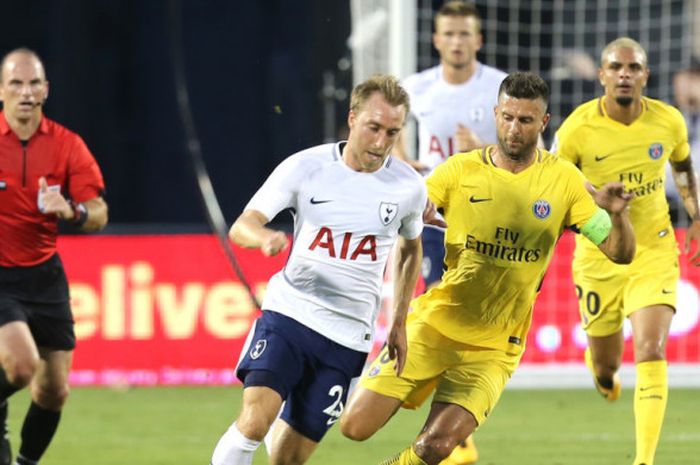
{"x": 249, "y": 231}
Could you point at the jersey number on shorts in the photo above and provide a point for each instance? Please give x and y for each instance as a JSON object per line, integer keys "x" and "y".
{"x": 336, "y": 408}
{"x": 592, "y": 300}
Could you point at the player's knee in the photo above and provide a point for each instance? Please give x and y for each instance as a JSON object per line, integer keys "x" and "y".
{"x": 51, "y": 397}
{"x": 649, "y": 350}
{"x": 19, "y": 373}
{"x": 352, "y": 428}
{"x": 253, "y": 427}
{"x": 435, "y": 447}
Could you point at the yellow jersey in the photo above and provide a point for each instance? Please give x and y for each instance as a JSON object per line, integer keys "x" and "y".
{"x": 636, "y": 154}
{"x": 501, "y": 233}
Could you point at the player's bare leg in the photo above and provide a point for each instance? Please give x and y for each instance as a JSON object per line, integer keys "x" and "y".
{"x": 366, "y": 412}
{"x": 447, "y": 425}
{"x": 464, "y": 454}
{"x": 237, "y": 445}
{"x": 289, "y": 447}
{"x": 603, "y": 357}
{"x": 650, "y": 327}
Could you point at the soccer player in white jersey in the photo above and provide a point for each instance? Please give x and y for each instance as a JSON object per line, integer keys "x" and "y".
{"x": 351, "y": 201}
{"x": 452, "y": 104}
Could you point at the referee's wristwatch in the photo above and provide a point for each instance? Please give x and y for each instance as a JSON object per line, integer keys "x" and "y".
{"x": 80, "y": 214}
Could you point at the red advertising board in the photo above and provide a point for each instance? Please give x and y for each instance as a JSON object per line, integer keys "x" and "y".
{"x": 169, "y": 310}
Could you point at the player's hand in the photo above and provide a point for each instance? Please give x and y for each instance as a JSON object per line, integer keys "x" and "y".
{"x": 397, "y": 345}
{"x": 611, "y": 197}
{"x": 275, "y": 242}
{"x": 466, "y": 139}
{"x": 431, "y": 215}
{"x": 692, "y": 236}
{"x": 51, "y": 201}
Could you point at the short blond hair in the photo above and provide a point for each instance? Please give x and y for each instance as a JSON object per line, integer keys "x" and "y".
{"x": 388, "y": 86}
{"x": 456, "y": 8}
{"x": 623, "y": 42}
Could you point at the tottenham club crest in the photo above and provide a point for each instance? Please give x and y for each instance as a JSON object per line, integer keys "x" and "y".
{"x": 258, "y": 349}
{"x": 387, "y": 212}
{"x": 541, "y": 209}
{"x": 655, "y": 151}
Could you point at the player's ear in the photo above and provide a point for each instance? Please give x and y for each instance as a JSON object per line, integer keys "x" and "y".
{"x": 545, "y": 122}
{"x": 351, "y": 119}
{"x": 601, "y": 76}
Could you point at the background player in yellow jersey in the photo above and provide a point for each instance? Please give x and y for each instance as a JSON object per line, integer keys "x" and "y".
{"x": 626, "y": 137}
{"x": 505, "y": 205}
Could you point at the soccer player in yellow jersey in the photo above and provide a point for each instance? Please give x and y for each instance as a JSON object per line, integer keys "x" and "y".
{"x": 626, "y": 137}
{"x": 505, "y": 205}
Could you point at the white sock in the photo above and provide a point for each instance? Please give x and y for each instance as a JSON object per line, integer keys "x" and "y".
{"x": 234, "y": 449}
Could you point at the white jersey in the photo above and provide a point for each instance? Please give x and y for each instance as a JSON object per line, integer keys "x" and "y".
{"x": 439, "y": 106}
{"x": 345, "y": 224}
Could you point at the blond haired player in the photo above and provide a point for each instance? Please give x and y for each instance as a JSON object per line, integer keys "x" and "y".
{"x": 625, "y": 137}
{"x": 505, "y": 205}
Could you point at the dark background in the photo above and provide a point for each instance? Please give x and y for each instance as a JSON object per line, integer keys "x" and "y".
{"x": 253, "y": 71}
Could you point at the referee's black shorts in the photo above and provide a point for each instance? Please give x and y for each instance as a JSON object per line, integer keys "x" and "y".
{"x": 38, "y": 295}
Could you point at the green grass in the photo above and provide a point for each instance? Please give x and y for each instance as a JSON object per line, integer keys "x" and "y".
{"x": 153, "y": 426}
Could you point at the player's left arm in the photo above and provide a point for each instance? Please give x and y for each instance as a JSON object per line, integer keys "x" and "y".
{"x": 687, "y": 183}
{"x": 611, "y": 230}
{"x": 408, "y": 260}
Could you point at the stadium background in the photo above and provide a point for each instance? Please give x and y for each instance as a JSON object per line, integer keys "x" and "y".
{"x": 156, "y": 301}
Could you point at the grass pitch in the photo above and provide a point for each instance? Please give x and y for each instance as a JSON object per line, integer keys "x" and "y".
{"x": 154, "y": 426}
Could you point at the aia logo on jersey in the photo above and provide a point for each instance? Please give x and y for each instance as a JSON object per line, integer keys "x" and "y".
{"x": 655, "y": 151}
{"x": 258, "y": 349}
{"x": 541, "y": 209}
{"x": 324, "y": 240}
{"x": 387, "y": 212}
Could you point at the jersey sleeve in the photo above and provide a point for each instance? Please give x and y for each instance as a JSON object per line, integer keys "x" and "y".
{"x": 582, "y": 206}
{"x": 279, "y": 191}
{"x": 441, "y": 181}
{"x": 564, "y": 143}
{"x": 412, "y": 223}
{"x": 681, "y": 150}
{"x": 85, "y": 180}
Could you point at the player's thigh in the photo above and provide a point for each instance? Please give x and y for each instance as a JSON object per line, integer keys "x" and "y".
{"x": 477, "y": 382}
{"x": 600, "y": 289}
{"x": 366, "y": 412}
{"x": 428, "y": 355}
{"x": 653, "y": 281}
{"x": 18, "y": 352}
{"x": 317, "y": 402}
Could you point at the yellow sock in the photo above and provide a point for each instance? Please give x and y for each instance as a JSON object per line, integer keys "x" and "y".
{"x": 406, "y": 457}
{"x": 650, "y": 397}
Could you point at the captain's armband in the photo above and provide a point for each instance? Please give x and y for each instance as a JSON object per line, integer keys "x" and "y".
{"x": 598, "y": 227}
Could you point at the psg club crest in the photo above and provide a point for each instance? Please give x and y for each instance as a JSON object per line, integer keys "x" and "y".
{"x": 387, "y": 212}
{"x": 258, "y": 349}
{"x": 655, "y": 151}
{"x": 541, "y": 209}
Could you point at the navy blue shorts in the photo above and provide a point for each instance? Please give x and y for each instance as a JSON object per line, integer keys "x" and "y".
{"x": 309, "y": 371}
{"x": 433, "y": 255}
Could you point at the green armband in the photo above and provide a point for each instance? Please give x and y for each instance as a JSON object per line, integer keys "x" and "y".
{"x": 598, "y": 227}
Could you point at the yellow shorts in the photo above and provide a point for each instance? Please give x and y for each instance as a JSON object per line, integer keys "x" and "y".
{"x": 607, "y": 293}
{"x": 468, "y": 376}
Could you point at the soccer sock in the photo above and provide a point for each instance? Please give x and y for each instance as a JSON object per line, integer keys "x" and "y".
{"x": 650, "y": 397}
{"x": 407, "y": 457}
{"x": 38, "y": 429}
{"x": 234, "y": 449}
{"x": 6, "y": 388}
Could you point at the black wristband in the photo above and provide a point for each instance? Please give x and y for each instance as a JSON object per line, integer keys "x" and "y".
{"x": 80, "y": 214}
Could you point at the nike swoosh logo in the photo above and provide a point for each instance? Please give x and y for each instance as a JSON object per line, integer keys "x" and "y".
{"x": 473, "y": 199}
{"x": 666, "y": 291}
{"x": 316, "y": 202}
{"x": 602, "y": 157}
{"x": 646, "y": 388}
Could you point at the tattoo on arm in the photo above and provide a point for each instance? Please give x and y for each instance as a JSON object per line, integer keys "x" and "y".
{"x": 687, "y": 183}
